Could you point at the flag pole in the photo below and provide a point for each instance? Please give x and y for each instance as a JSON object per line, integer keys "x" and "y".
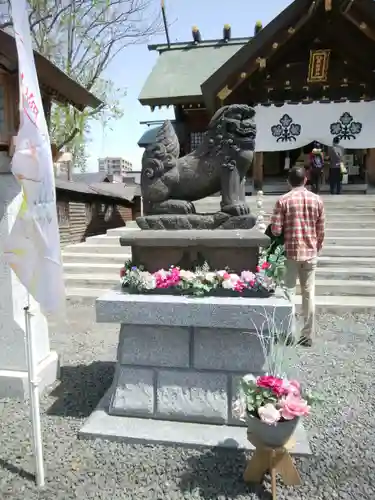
{"x": 34, "y": 399}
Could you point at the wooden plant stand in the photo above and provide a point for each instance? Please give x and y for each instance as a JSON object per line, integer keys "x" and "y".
{"x": 274, "y": 460}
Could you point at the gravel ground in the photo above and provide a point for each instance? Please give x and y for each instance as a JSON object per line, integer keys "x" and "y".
{"x": 340, "y": 366}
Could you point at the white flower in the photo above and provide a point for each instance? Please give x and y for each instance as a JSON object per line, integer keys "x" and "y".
{"x": 221, "y": 273}
{"x": 249, "y": 379}
{"x": 210, "y": 277}
{"x": 239, "y": 409}
{"x": 148, "y": 280}
{"x": 228, "y": 284}
{"x": 269, "y": 414}
{"x": 187, "y": 275}
{"x": 234, "y": 277}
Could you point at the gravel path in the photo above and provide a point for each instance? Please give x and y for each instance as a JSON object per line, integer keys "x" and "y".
{"x": 341, "y": 367}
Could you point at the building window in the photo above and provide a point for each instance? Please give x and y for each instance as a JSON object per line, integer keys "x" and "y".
{"x": 195, "y": 139}
{"x": 108, "y": 213}
{"x": 63, "y": 213}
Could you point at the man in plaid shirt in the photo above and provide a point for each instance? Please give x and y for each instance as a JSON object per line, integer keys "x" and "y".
{"x": 299, "y": 216}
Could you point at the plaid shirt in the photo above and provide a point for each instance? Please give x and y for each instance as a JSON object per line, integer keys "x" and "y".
{"x": 299, "y": 214}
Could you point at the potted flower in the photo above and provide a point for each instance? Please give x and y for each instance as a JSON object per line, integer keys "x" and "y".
{"x": 272, "y": 407}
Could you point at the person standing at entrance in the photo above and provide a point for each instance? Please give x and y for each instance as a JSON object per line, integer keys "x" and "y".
{"x": 299, "y": 215}
{"x": 316, "y": 160}
{"x": 336, "y": 166}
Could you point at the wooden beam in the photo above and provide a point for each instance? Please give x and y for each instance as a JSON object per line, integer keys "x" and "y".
{"x": 261, "y": 62}
{"x": 328, "y": 5}
{"x": 362, "y": 26}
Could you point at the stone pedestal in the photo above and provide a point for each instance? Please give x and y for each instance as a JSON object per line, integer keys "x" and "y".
{"x": 179, "y": 364}
{"x": 182, "y": 358}
{"x": 237, "y": 249}
{"x": 13, "y": 298}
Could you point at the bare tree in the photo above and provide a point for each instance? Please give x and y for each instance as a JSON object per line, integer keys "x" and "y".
{"x": 82, "y": 37}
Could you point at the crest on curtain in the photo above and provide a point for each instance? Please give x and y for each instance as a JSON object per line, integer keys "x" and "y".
{"x": 286, "y": 130}
{"x": 346, "y": 127}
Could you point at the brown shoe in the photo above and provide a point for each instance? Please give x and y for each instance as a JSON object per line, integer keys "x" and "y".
{"x": 305, "y": 342}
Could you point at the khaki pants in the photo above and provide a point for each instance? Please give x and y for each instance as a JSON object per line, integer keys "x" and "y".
{"x": 305, "y": 271}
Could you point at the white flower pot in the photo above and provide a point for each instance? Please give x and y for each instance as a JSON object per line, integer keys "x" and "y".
{"x": 273, "y": 436}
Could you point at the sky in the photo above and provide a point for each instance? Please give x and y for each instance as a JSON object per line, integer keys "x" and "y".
{"x": 132, "y": 66}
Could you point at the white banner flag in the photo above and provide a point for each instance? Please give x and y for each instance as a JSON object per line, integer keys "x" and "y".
{"x": 33, "y": 246}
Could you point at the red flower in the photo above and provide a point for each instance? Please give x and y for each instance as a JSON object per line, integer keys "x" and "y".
{"x": 257, "y": 269}
{"x": 266, "y": 265}
{"x": 275, "y": 384}
{"x": 122, "y": 272}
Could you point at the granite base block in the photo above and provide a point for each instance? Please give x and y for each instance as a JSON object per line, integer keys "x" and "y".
{"x": 101, "y": 425}
{"x": 150, "y": 345}
{"x": 192, "y": 396}
{"x": 227, "y": 349}
{"x": 133, "y": 392}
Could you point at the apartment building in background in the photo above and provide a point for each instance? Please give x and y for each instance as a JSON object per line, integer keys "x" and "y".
{"x": 112, "y": 165}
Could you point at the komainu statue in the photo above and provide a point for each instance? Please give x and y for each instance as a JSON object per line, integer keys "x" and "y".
{"x": 170, "y": 184}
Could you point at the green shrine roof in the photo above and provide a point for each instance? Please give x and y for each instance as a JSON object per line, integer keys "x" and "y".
{"x": 181, "y": 69}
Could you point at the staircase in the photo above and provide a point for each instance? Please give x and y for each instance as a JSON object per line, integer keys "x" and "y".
{"x": 345, "y": 276}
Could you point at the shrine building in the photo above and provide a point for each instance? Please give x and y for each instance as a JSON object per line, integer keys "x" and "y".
{"x": 308, "y": 73}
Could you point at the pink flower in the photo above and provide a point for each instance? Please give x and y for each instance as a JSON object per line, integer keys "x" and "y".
{"x": 266, "y": 265}
{"x": 239, "y": 286}
{"x": 293, "y": 406}
{"x": 294, "y": 387}
{"x": 247, "y": 276}
{"x": 269, "y": 414}
{"x": 275, "y": 384}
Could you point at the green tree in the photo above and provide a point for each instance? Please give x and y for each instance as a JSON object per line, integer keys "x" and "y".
{"x": 82, "y": 37}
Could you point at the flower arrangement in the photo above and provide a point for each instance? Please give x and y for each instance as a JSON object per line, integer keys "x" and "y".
{"x": 202, "y": 281}
{"x": 271, "y": 399}
{"x": 274, "y": 398}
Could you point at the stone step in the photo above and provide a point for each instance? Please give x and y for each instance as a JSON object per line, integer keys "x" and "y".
{"x": 350, "y": 229}
{"x": 326, "y": 303}
{"x": 119, "y": 259}
{"x": 122, "y": 230}
{"x": 350, "y": 241}
{"x": 348, "y": 251}
{"x": 362, "y": 239}
{"x": 82, "y": 280}
{"x": 334, "y": 287}
{"x": 350, "y": 261}
{"x": 112, "y": 268}
{"x": 338, "y": 287}
{"x": 105, "y": 248}
{"x": 330, "y": 251}
{"x": 111, "y": 271}
{"x": 94, "y": 258}
{"x": 346, "y": 273}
